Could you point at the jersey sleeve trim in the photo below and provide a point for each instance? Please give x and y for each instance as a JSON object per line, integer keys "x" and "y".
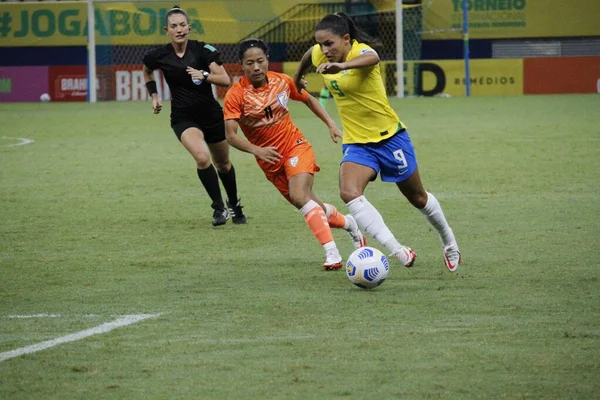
{"x": 360, "y": 48}
{"x": 233, "y": 103}
{"x": 294, "y": 94}
{"x": 211, "y": 54}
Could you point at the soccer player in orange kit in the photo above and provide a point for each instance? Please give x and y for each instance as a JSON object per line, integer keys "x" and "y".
{"x": 257, "y": 103}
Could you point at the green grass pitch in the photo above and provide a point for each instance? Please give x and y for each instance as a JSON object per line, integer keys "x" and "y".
{"x": 103, "y": 216}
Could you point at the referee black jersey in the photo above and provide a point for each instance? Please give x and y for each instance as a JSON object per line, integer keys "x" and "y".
{"x": 186, "y": 96}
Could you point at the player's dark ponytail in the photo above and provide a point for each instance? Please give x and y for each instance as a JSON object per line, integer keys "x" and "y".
{"x": 341, "y": 24}
{"x": 175, "y": 10}
{"x": 250, "y": 43}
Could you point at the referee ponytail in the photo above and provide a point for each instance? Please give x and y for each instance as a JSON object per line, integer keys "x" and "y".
{"x": 175, "y": 10}
{"x": 341, "y": 24}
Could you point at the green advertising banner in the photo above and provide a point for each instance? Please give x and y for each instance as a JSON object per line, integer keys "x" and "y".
{"x": 65, "y": 24}
{"x": 140, "y": 23}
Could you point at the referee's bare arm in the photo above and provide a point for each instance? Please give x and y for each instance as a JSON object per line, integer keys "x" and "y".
{"x": 218, "y": 76}
{"x": 148, "y": 77}
{"x": 151, "y": 86}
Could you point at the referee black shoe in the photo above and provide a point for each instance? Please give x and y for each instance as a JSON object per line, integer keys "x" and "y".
{"x": 237, "y": 215}
{"x": 220, "y": 215}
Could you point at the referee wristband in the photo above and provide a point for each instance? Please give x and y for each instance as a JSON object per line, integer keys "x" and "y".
{"x": 151, "y": 86}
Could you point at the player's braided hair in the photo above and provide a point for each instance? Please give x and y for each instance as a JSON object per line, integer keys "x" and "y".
{"x": 175, "y": 10}
{"x": 341, "y": 24}
{"x": 250, "y": 43}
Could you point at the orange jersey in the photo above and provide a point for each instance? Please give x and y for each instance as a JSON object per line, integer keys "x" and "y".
{"x": 262, "y": 113}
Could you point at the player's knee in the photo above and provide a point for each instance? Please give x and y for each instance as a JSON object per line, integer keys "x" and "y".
{"x": 349, "y": 194}
{"x": 298, "y": 200}
{"x": 202, "y": 160}
{"x": 419, "y": 200}
{"x": 222, "y": 166}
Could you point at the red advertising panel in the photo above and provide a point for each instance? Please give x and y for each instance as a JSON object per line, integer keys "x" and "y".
{"x": 23, "y": 83}
{"x": 126, "y": 82}
{"x": 554, "y": 75}
{"x": 115, "y": 82}
{"x": 68, "y": 83}
{"x": 118, "y": 82}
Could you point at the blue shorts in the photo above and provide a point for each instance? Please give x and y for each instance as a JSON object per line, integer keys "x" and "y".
{"x": 393, "y": 158}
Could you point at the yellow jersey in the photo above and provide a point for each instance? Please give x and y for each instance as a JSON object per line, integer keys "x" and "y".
{"x": 359, "y": 94}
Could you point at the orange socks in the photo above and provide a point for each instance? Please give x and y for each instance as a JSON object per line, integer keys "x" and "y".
{"x": 317, "y": 222}
{"x": 334, "y": 218}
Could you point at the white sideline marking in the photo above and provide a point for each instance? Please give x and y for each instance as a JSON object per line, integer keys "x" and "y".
{"x": 21, "y": 141}
{"x": 104, "y": 328}
{"x": 47, "y": 316}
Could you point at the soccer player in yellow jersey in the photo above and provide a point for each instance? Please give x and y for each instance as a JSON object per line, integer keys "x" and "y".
{"x": 375, "y": 140}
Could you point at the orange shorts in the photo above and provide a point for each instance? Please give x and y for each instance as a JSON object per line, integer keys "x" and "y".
{"x": 300, "y": 159}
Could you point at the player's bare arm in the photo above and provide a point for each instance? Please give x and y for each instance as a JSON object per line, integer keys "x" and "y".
{"x": 151, "y": 86}
{"x": 304, "y": 65}
{"x": 366, "y": 59}
{"x": 268, "y": 154}
{"x": 216, "y": 76}
{"x": 317, "y": 109}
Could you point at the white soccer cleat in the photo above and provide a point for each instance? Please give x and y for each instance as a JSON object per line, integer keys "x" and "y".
{"x": 358, "y": 239}
{"x": 333, "y": 260}
{"x": 452, "y": 257}
{"x": 406, "y": 256}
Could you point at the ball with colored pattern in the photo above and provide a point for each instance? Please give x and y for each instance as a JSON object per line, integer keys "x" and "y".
{"x": 367, "y": 267}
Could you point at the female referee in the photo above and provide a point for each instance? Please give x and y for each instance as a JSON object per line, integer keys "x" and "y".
{"x": 375, "y": 140}
{"x": 189, "y": 67}
{"x": 258, "y": 104}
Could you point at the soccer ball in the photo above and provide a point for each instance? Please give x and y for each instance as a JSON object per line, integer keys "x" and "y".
{"x": 367, "y": 267}
{"x": 44, "y": 98}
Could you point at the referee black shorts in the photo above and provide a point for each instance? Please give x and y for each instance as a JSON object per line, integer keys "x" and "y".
{"x": 213, "y": 133}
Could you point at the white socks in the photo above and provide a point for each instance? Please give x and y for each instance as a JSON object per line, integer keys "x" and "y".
{"x": 308, "y": 207}
{"x": 371, "y": 222}
{"x": 435, "y": 216}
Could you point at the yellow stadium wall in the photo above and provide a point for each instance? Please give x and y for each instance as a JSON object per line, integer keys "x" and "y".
{"x": 513, "y": 19}
{"x": 488, "y": 77}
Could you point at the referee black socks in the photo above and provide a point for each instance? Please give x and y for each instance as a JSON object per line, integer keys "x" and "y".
{"x": 230, "y": 185}
{"x": 210, "y": 181}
